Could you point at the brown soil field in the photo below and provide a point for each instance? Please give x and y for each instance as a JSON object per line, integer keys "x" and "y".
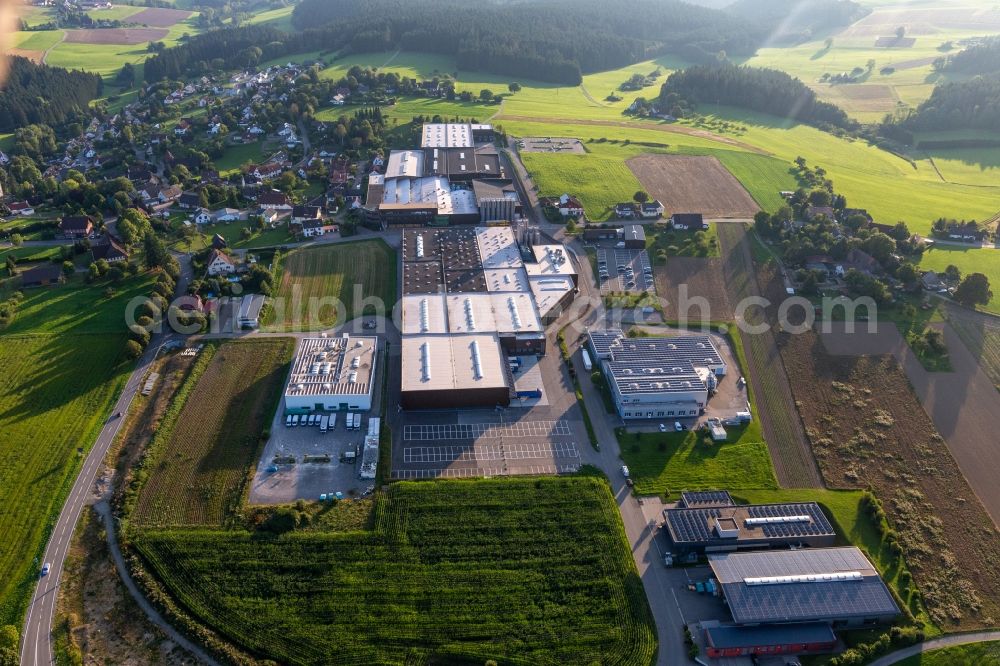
{"x": 913, "y": 64}
{"x": 895, "y": 42}
{"x": 868, "y": 429}
{"x": 864, "y": 97}
{"x": 159, "y": 17}
{"x": 685, "y": 184}
{"x": 128, "y": 36}
{"x": 926, "y": 21}
{"x": 769, "y": 382}
{"x": 703, "y": 278}
{"x": 33, "y": 56}
{"x": 981, "y": 335}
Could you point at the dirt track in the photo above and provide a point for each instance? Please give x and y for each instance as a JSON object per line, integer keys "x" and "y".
{"x": 963, "y": 404}
{"x": 688, "y": 183}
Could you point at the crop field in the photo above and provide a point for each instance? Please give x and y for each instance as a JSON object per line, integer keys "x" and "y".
{"x": 321, "y": 286}
{"x": 517, "y": 570}
{"x": 868, "y": 429}
{"x": 55, "y": 394}
{"x": 202, "y": 456}
{"x": 976, "y": 654}
{"x": 685, "y": 183}
{"x": 702, "y": 278}
{"x": 769, "y": 382}
{"x": 981, "y": 335}
{"x": 129, "y": 36}
{"x": 976, "y": 260}
{"x": 160, "y": 17}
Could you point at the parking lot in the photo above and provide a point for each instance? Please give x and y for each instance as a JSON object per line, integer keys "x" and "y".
{"x": 621, "y": 270}
{"x": 491, "y": 430}
{"x": 550, "y": 145}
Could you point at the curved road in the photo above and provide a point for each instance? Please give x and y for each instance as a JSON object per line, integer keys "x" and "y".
{"x": 36, "y": 647}
{"x": 936, "y": 644}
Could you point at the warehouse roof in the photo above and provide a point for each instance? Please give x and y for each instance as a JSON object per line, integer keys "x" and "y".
{"x": 424, "y": 314}
{"x": 550, "y": 260}
{"x": 250, "y": 307}
{"x": 650, "y": 377}
{"x": 497, "y": 248}
{"x": 424, "y": 277}
{"x": 809, "y": 633}
{"x": 549, "y": 291}
{"x": 749, "y": 522}
{"x": 693, "y": 499}
{"x": 488, "y": 313}
{"x": 332, "y": 366}
{"x": 421, "y": 245}
{"x": 698, "y": 350}
{"x": 507, "y": 279}
{"x": 801, "y": 585}
{"x": 434, "y": 363}
{"x": 404, "y": 164}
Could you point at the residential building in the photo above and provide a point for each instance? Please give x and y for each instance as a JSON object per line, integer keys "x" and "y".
{"x": 219, "y": 264}
{"x": 687, "y": 221}
{"x": 42, "y": 275}
{"x": 570, "y": 206}
{"x": 651, "y": 209}
{"x": 625, "y": 211}
{"x": 77, "y": 226}
{"x": 274, "y": 200}
{"x": 189, "y": 200}
{"x": 22, "y": 208}
{"x": 109, "y": 250}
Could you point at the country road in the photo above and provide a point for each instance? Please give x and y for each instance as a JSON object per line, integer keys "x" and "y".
{"x": 36, "y": 644}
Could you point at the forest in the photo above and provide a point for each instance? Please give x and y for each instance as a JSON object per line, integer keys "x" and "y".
{"x": 765, "y": 90}
{"x": 983, "y": 58}
{"x": 972, "y": 104}
{"x": 796, "y": 21}
{"x": 42, "y": 94}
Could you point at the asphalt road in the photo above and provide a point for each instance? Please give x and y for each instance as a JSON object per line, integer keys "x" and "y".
{"x": 36, "y": 646}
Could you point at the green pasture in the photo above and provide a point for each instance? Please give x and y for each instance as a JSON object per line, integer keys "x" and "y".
{"x": 968, "y": 260}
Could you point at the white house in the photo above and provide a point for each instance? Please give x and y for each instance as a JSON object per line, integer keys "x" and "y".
{"x": 570, "y": 206}
{"x": 220, "y": 264}
{"x": 203, "y": 216}
{"x": 227, "y": 215}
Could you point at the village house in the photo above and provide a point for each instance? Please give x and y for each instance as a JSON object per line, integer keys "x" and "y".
{"x": 570, "y": 206}
{"x": 219, "y": 264}
{"x": 687, "y": 221}
{"x": 77, "y": 226}
{"x": 42, "y": 275}
{"x": 169, "y": 194}
{"x": 189, "y": 200}
{"x": 22, "y": 208}
{"x": 625, "y": 210}
{"x": 274, "y": 200}
{"x": 110, "y": 251}
{"x": 651, "y": 209}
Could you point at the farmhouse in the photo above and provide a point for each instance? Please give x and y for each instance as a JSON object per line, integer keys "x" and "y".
{"x": 836, "y": 586}
{"x": 658, "y": 377}
{"x": 219, "y": 263}
{"x": 700, "y": 529}
{"x": 77, "y": 226}
{"x": 274, "y": 200}
{"x": 110, "y": 251}
{"x": 248, "y": 315}
{"x": 332, "y": 374}
{"x": 42, "y": 275}
{"x": 302, "y": 214}
{"x": 22, "y": 208}
{"x": 687, "y": 221}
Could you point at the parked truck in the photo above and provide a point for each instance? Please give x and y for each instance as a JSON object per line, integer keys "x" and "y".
{"x": 586, "y": 360}
{"x": 324, "y": 423}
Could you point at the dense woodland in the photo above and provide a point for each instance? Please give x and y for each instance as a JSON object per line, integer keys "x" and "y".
{"x": 983, "y": 58}
{"x": 765, "y": 90}
{"x": 41, "y": 94}
{"x": 972, "y": 104}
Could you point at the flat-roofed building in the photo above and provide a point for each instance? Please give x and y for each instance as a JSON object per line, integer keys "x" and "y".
{"x": 668, "y": 377}
{"x": 424, "y": 314}
{"x": 507, "y": 280}
{"x": 708, "y": 527}
{"x": 726, "y": 640}
{"x": 497, "y": 199}
{"x": 453, "y": 371}
{"x": 497, "y": 248}
{"x": 330, "y": 374}
{"x": 552, "y": 295}
{"x": 551, "y": 260}
{"x": 834, "y": 585}
{"x": 454, "y": 135}
{"x": 248, "y": 315}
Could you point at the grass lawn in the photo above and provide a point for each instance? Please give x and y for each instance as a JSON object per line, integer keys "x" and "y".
{"x": 320, "y": 286}
{"x": 56, "y": 392}
{"x": 977, "y": 260}
{"x": 976, "y": 654}
{"x": 29, "y": 253}
{"x": 683, "y": 242}
{"x": 667, "y": 463}
{"x": 280, "y": 18}
{"x": 209, "y": 440}
{"x": 233, "y": 233}
{"x": 854, "y": 526}
{"x": 236, "y": 155}
{"x": 520, "y": 570}
{"x": 37, "y": 40}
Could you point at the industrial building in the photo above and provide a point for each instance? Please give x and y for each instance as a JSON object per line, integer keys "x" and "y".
{"x": 456, "y": 177}
{"x": 702, "y": 527}
{"x": 470, "y": 302}
{"x": 668, "y": 377}
{"x": 332, "y": 374}
{"x": 837, "y": 586}
{"x": 726, "y": 640}
{"x": 248, "y": 315}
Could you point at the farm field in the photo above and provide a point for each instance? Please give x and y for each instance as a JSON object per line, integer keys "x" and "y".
{"x": 968, "y": 166}
{"x": 667, "y": 463}
{"x": 55, "y": 395}
{"x": 280, "y": 18}
{"x": 981, "y": 335}
{"x": 867, "y": 428}
{"x": 977, "y": 654}
{"x": 316, "y": 281}
{"x": 702, "y": 277}
{"x": 686, "y": 183}
{"x": 976, "y": 260}
{"x": 201, "y": 455}
{"x": 527, "y": 570}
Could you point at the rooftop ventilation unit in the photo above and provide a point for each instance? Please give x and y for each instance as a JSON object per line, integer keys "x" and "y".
{"x": 515, "y": 316}
{"x": 477, "y": 367}
{"x": 425, "y": 362}
{"x": 425, "y": 324}
{"x": 835, "y": 577}
{"x": 777, "y": 520}
{"x": 470, "y": 317}
{"x": 354, "y": 378}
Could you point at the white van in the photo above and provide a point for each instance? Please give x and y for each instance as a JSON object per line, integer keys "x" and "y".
{"x": 295, "y": 420}
{"x": 288, "y": 421}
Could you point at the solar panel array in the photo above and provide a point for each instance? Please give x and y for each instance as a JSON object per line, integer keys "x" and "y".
{"x": 692, "y": 525}
{"x": 818, "y": 526}
{"x": 797, "y": 602}
{"x": 698, "y": 350}
{"x": 603, "y": 342}
{"x": 694, "y": 498}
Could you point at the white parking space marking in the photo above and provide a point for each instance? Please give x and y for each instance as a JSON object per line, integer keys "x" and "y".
{"x": 490, "y": 452}
{"x": 423, "y": 433}
{"x": 471, "y": 472}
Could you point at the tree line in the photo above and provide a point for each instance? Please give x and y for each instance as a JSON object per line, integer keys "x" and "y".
{"x": 982, "y": 58}
{"x": 972, "y": 104}
{"x": 765, "y": 90}
{"x": 39, "y": 94}
{"x": 797, "y": 21}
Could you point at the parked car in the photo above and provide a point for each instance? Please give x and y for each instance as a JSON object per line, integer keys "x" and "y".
{"x": 625, "y": 471}
{"x": 663, "y": 427}
{"x": 677, "y": 426}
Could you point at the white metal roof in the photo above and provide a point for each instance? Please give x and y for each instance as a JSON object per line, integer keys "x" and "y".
{"x": 471, "y": 313}
{"x": 549, "y": 290}
{"x": 550, "y": 260}
{"x": 515, "y": 313}
{"x": 332, "y": 366}
{"x": 506, "y": 280}
{"x": 424, "y": 314}
{"x": 498, "y": 247}
{"x": 452, "y": 362}
{"x": 405, "y": 164}
{"x": 446, "y": 135}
